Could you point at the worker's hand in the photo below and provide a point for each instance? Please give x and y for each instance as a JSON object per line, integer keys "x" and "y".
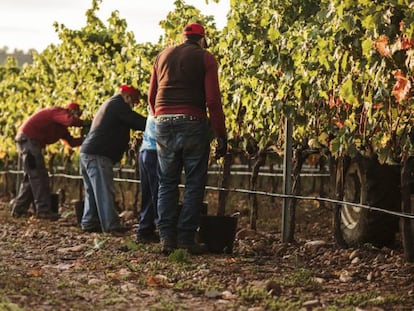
{"x": 221, "y": 147}
{"x": 87, "y": 123}
{"x": 86, "y": 127}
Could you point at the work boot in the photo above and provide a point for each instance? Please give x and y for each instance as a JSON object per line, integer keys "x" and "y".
{"x": 148, "y": 238}
{"x": 120, "y": 231}
{"x": 49, "y": 215}
{"x": 168, "y": 246}
{"x": 194, "y": 248}
{"x": 96, "y": 229}
{"x": 17, "y": 214}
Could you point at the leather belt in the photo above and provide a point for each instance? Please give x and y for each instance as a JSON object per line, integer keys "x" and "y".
{"x": 181, "y": 117}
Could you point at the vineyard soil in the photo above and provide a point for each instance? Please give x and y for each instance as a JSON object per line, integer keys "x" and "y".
{"x": 54, "y": 266}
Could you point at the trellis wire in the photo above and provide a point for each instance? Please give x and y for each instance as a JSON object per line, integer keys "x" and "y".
{"x": 264, "y": 193}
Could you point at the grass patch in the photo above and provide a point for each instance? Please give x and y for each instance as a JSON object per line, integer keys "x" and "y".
{"x": 6, "y": 305}
{"x": 302, "y": 278}
{"x": 370, "y": 299}
{"x": 259, "y": 296}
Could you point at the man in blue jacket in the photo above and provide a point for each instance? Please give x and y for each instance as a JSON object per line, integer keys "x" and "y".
{"x": 104, "y": 146}
{"x": 147, "y": 161}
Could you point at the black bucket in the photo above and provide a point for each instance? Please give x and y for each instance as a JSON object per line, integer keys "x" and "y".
{"x": 54, "y": 202}
{"x": 218, "y": 233}
{"x": 79, "y": 211}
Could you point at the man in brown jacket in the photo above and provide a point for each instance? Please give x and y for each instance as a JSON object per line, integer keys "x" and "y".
{"x": 184, "y": 86}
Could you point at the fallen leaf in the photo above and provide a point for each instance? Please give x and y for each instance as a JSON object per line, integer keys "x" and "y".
{"x": 158, "y": 280}
{"x": 35, "y": 273}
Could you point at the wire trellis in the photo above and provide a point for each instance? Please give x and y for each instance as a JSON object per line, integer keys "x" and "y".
{"x": 246, "y": 191}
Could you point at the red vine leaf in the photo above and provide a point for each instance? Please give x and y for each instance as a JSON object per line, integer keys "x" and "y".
{"x": 401, "y": 89}
{"x": 381, "y": 45}
{"x": 406, "y": 43}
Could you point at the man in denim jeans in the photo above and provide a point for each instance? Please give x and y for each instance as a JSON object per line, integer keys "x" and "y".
{"x": 184, "y": 85}
{"x": 147, "y": 164}
{"x": 104, "y": 146}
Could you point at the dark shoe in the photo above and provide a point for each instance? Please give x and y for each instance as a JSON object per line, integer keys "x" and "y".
{"x": 168, "y": 246}
{"x": 148, "y": 238}
{"x": 48, "y": 215}
{"x": 96, "y": 229}
{"x": 119, "y": 231}
{"x": 195, "y": 248}
{"x": 17, "y": 214}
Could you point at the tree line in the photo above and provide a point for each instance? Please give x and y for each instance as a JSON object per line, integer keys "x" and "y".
{"x": 21, "y": 56}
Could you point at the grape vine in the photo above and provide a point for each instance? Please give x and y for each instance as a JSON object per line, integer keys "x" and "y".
{"x": 342, "y": 70}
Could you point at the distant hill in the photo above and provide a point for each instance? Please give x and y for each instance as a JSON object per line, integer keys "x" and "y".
{"x": 21, "y": 56}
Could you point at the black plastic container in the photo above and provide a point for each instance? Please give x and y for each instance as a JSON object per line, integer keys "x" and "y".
{"x": 79, "y": 211}
{"x": 218, "y": 233}
{"x": 54, "y": 200}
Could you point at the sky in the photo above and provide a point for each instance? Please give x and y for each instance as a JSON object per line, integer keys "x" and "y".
{"x": 28, "y": 24}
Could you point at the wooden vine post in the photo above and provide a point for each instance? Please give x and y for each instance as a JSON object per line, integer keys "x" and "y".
{"x": 407, "y": 176}
{"x": 300, "y": 157}
{"x": 287, "y": 174}
{"x": 260, "y": 160}
{"x": 338, "y": 168}
{"x": 225, "y": 182}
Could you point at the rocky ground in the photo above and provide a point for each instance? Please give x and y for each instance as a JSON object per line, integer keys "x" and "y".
{"x": 54, "y": 266}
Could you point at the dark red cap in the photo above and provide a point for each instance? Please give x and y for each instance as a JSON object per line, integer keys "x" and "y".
{"x": 194, "y": 29}
{"x": 73, "y": 106}
{"x": 131, "y": 91}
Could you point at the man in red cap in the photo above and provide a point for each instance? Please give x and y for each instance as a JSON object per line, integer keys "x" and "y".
{"x": 104, "y": 146}
{"x": 45, "y": 127}
{"x": 184, "y": 86}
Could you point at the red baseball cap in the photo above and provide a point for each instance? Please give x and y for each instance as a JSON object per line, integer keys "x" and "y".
{"x": 194, "y": 29}
{"x": 73, "y": 106}
{"x": 131, "y": 91}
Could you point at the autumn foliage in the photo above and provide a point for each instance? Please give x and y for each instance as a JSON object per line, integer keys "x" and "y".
{"x": 402, "y": 87}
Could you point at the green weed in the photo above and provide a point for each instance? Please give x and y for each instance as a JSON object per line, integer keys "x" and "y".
{"x": 252, "y": 294}
{"x": 6, "y": 305}
{"x": 302, "y": 278}
{"x": 180, "y": 256}
{"x": 258, "y": 296}
{"x": 369, "y": 299}
{"x": 131, "y": 245}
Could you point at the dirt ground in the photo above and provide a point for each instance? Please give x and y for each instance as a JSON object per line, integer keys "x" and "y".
{"x": 54, "y": 266}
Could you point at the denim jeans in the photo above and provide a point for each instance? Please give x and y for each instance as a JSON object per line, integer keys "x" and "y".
{"x": 147, "y": 161}
{"x": 98, "y": 180}
{"x": 181, "y": 145}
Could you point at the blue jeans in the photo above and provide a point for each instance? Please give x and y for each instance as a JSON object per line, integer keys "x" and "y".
{"x": 98, "y": 180}
{"x": 147, "y": 161}
{"x": 181, "y": 145}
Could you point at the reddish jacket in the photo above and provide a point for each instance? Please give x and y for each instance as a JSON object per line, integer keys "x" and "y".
{"x": 184, "y": 80}
{"x": 48, "y": 125}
